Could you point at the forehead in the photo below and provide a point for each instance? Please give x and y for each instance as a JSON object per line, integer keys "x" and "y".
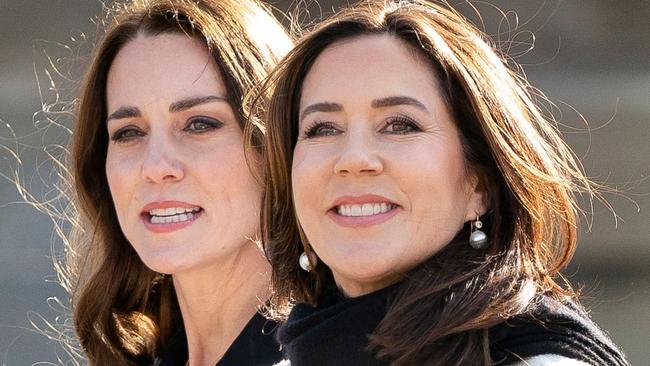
{"x": 167, "y": 66}
{"x": 371, "y": 65}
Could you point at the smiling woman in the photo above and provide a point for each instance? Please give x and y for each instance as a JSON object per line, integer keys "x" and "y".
{"x": 166, "y": 135}
{"x": 391, "y": 144}
{"x": 445, "y": 206}
{"x": 164, "y": 263}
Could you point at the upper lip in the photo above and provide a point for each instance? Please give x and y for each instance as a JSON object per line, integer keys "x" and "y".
{"x": 361, "y": 199}
{"x": 167, "y": 204}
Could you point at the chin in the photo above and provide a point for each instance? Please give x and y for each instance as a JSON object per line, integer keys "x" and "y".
{"x": 167, "y": 262}
{"x": 367, "y": 269}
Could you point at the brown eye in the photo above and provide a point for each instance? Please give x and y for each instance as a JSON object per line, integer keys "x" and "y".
{"x": 401, "y": 126}
{"x": 202, "y": 124}
{"x": 126, "y": 134}
{"x": 320, "y": 128}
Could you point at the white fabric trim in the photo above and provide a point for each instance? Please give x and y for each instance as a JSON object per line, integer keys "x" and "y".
{"x": 541, "y": 360}
{"x": 551, "y": 360}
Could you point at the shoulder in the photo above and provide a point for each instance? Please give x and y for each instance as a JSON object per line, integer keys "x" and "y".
{"x": 551, "y": 360}
{"x": 554, "y": 327}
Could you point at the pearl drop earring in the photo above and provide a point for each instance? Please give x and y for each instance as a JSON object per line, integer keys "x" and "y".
{"x": 303, "y": 260}
{"x": 478, "y": 239}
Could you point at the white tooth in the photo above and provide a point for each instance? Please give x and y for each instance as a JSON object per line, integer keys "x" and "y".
{"x": 154, "y": 219}
{"x": 384, "y": 207}
{"x": 176, "y": 218}
{"x": 167, "y": 219}
{"x": 190, "y": 216}
{"x": 339, "y": 210}
{"x": 170, "y": 211}
{"x": 366, "y": 209}
{"x": 355, "y": 210}
{"x": 347, "y": 210}
{"x": 179, "y": 210}
{"x": 376, "y": 209}
{"x": 183, "y": 217}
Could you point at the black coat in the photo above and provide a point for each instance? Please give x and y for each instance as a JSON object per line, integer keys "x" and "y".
{"x": 336, "y": 333}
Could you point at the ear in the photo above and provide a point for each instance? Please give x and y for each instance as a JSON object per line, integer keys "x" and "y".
{"x": 477, "y": 203}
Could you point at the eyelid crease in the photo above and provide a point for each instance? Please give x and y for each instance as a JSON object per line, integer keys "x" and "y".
{"x": 214, "y": 123}
{"x": 118, "y": 137}
{"x": 310, "y": 131}
{"x": 412, "y": 123}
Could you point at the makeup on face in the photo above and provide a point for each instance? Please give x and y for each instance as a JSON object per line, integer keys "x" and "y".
{"x": 168, "y": 216}
{"x": 377, "y": 139}
{"x": 183, "y": 193}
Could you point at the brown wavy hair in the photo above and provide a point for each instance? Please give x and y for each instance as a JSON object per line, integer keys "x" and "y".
{"x": 124, "y": 313}
{"x": 530, "y": 177}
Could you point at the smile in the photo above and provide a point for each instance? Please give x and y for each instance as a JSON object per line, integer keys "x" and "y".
{"x": 168, "y": 216}
{"x": 362, "y": 211}
{"x": 366, "y": 209}
{"x": 172, "y": 214}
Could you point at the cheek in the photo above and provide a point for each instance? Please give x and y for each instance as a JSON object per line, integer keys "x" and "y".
{"x": 122, "y": 174}
{"x": 308, "y": 172}
{"x": 436, "y": 180}
{"x": 224, "y": 172}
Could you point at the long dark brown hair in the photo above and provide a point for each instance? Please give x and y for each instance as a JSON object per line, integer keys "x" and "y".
{"x": 530, "y": 177}
{"x": 124, "y": 312}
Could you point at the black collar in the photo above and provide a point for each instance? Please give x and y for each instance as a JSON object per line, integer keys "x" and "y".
{"x": 335, "y": 332}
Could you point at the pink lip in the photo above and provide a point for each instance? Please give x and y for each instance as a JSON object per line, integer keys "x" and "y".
{"x": 167, "y": 227}
{"x": 359, "y": 200}
{"x": 361, "y": 221}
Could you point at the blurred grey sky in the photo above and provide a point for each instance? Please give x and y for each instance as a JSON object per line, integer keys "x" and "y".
{"x": 591, "y": 57}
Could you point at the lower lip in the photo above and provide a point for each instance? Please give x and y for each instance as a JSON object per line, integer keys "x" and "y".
{"x": 171, "y": 226}
{"x": 362, "y": 221}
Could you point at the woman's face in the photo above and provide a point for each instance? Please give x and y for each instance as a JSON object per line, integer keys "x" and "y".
{"x": 175, "y": 164}
{"x": 379, "y": 178}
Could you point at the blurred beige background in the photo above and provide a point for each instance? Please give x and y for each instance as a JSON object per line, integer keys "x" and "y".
{"x": 591, "y": 57}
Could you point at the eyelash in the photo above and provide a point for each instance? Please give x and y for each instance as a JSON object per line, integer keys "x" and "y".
{"x": 126, "y": 134}
{"x": 212, "y": 124}
{"x": 407, "y": 121}
{"x": 315, "y": 129}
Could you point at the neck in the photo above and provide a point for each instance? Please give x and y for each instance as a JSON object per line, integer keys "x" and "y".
{"x": 217, "y": 301}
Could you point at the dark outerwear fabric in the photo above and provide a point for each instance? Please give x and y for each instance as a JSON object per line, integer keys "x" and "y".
{"x": 550, "y": 326}
{"x": 336, "y": 333}
{"x": 255, "y": 346}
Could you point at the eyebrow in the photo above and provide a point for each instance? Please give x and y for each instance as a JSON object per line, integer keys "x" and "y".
{"x": 181, "y": 105}
{"x": 377, "y": 103}
{"x": 188, "y": 103}
{"x": 398, "y": 100}
{"x": 321, "y": 107}
{"x": 124, "y": 112}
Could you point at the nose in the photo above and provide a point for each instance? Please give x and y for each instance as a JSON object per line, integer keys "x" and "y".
{"x": 359, "y": 156}
{"x": 161, "y": 163}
